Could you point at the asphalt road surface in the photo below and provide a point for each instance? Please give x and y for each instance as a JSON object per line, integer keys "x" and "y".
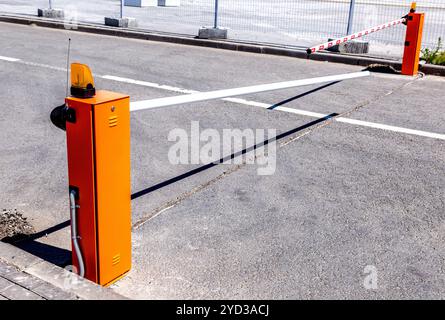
{"x": 351, "y": 198}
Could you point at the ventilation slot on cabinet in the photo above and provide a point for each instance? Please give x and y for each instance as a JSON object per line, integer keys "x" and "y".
{"x": 116, "y": 259}
{"x": 112, "y": 121}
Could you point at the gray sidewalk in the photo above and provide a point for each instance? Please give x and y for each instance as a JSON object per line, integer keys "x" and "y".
{"x": 19, "y": 285}
{"x": 24, "y": 276}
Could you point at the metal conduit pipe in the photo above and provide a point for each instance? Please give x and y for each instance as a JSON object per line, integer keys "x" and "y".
{"x": 74, "y": 235}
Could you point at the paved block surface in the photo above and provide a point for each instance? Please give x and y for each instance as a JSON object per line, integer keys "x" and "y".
{"x": 19, "y": 285}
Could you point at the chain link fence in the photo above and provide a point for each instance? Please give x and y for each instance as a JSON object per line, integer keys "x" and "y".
{"x": 293, "y": 23}
{"x": 184, "y": 19}
{"x": 372, "y": 12}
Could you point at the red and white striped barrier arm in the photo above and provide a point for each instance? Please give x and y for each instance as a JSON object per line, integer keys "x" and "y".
{"x": 357, "y": 35}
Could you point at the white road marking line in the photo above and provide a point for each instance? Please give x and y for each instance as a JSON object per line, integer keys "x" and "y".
{"x": 342, "y": 119}
{"x": 33, "y": 64}
{"x": 251, "y": 103}
{"x": 391, "y": 128}
{"x": 41, "y": 65}
{"x": 148, "y": 84}
{"x": 279, "y": 108}
{"x": 8, "y": 59}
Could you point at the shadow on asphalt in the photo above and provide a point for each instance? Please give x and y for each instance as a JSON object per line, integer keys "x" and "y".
{"x": 240, "y": 153}
{"x": 229, "y": 157}
{"x": 58, "y": 256}
{"x": 302, "y": 95}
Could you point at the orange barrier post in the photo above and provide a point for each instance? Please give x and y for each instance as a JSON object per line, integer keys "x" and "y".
{"x": 413, "y": 42}
{"x": 97, "y": 128}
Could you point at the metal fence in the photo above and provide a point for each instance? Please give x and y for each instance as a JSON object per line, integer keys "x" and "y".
{"x": 296, "y": 23}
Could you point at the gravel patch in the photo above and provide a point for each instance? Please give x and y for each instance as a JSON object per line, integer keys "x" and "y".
{"x": 13, "y": 225}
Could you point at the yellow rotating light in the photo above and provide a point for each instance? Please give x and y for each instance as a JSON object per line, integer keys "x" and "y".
{"x": 82, "y": 82}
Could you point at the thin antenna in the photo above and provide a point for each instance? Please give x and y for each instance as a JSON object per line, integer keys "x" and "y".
{"x": 68, "y": 68}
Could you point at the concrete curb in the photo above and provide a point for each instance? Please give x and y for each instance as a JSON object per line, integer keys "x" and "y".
{"x": 54, "y": 275}
{"x": 219, "y": 44}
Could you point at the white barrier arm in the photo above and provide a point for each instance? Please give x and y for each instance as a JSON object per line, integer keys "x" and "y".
{"x": 213, "y": 95}
{"x": 357, "y": 35}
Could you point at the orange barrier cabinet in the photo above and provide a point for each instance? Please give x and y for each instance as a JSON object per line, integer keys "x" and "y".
{"x": 98, "y": 143}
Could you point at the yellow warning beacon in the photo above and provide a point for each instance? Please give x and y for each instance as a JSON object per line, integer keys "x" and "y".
{"x": 82, "y": 82}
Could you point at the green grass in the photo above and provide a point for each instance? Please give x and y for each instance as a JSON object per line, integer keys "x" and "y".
{"x": 436, "y": 56}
